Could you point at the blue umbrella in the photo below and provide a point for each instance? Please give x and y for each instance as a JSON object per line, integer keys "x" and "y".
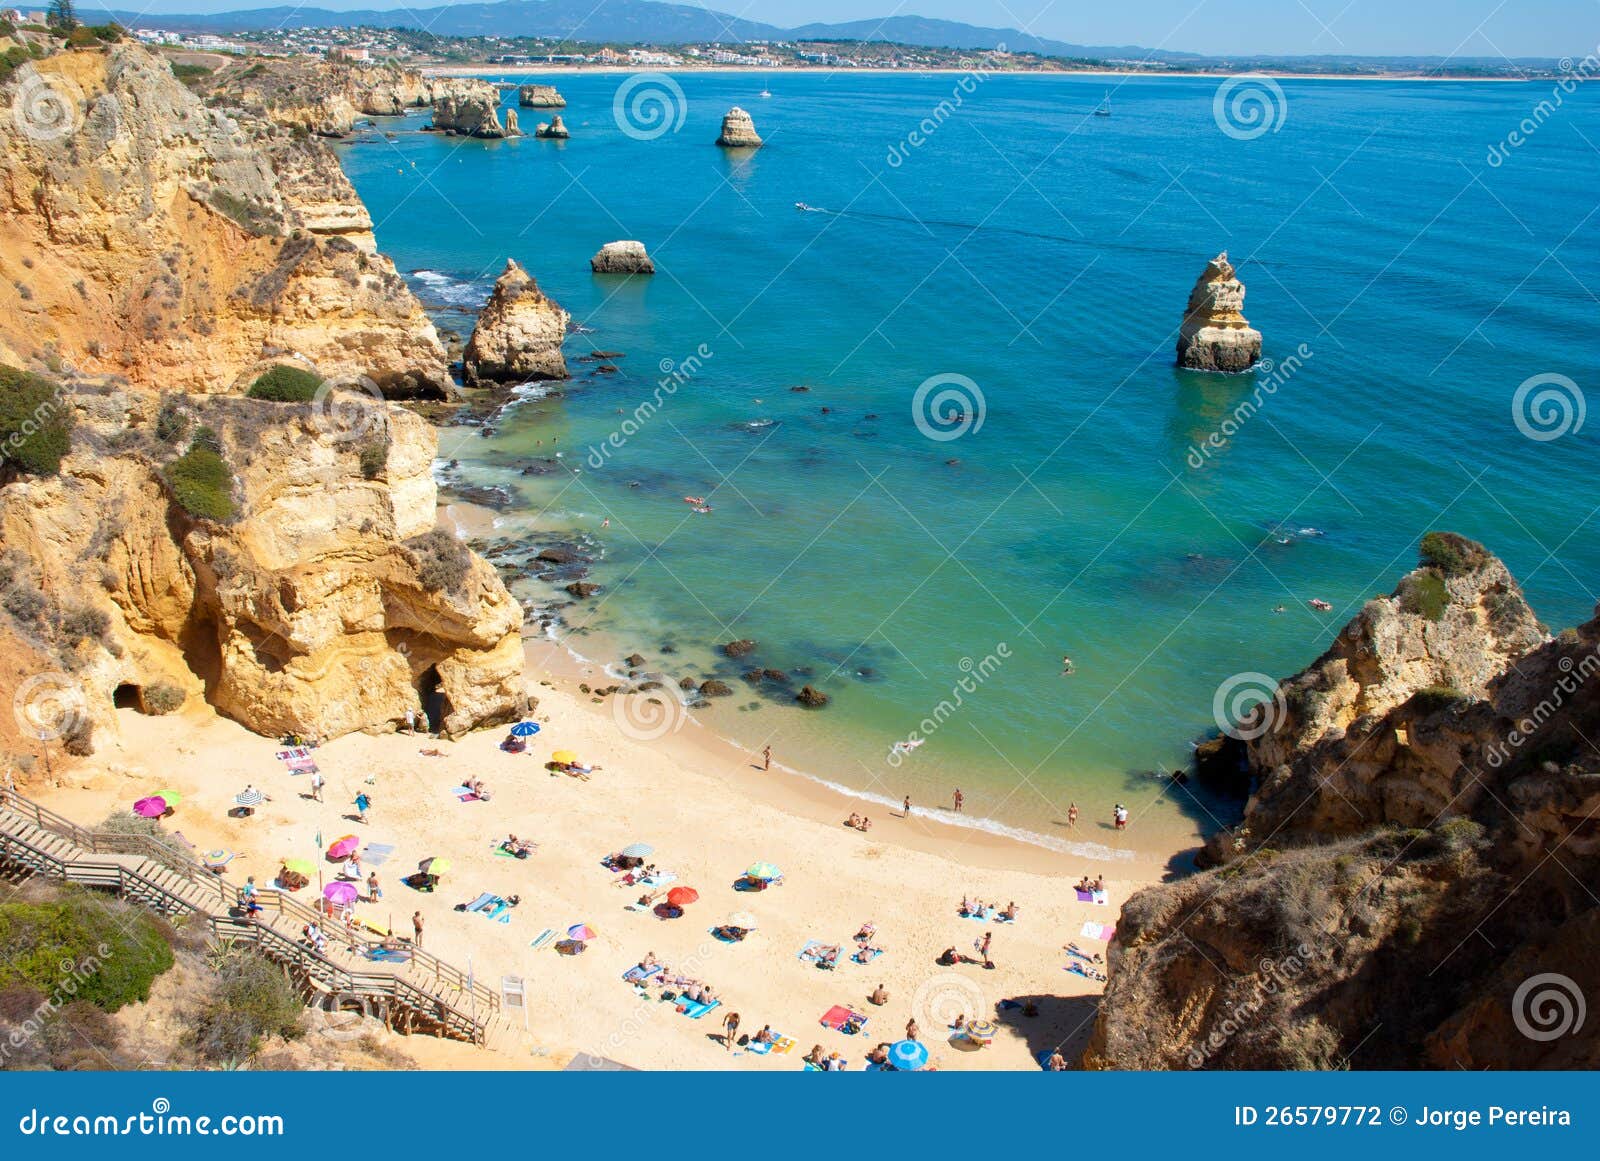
{"x": 638, "y": 850}
{"x": 908, "y": 1055}
{"x": 524, "y": 729}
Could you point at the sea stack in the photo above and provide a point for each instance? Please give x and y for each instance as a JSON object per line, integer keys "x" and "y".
{"x": 511, "y": 124}
{"x": 519, "y": 333}
{"x": 556, "y": 130}
{"x": 540, "y": 97}
{"x": 472, "y": 112}
{"x": 738, "y": 131}
{"x": 1215, "y": 335}
{"x": 622, "y": 258}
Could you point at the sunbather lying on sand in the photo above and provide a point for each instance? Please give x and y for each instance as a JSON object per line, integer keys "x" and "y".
{"x": 730, "y": 933}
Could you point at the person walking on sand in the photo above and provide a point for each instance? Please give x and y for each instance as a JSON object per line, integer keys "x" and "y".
{"x": 1119, "y": 816}
{"x": 905, "y": 807}
{"x": 766, "y": 758}
{"x": 730, "y": 1030}
{"x": 416, "y": 928}
{"x": 316, "y": 786}
{"x": 958, "y": 800}
{"x": 362, "y": 803}
{"x": 411, "y": 721}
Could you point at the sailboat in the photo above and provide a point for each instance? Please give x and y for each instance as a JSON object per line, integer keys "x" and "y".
{"x": 1104, "y": 110}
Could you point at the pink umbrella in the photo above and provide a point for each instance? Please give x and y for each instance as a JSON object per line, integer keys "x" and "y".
{"x": 581, "y": 932}
{"x": 341, "y": 894}
{"x": 344, "y": 848}
{"x": 150, "y": 807}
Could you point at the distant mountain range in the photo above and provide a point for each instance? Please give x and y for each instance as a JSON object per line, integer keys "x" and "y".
{"x": 654, "y": 22}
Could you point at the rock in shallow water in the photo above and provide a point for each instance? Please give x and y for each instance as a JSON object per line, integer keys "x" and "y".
{"x": 1215, "y": 336}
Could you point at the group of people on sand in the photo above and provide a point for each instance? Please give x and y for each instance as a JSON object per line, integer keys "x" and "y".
{"x": 980, "y": 909}
{"x": 675, "y": 985}
{"x": 1098, "y": 883}
{"x": 858, "y": 822}
{"x": 476, "y": 788}
{"x": 824, "y": 1061}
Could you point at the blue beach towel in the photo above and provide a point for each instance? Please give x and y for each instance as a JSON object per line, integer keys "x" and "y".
{"x": 694, "y": 1009}
{"x": 542, "y": 939}
{"x": 482, "y": 901}
{"x": 377, "y": 854}
{"x": 636, "y": 974}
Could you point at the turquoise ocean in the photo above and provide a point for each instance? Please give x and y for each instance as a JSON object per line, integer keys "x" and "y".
{"x": 1409, "y": 267}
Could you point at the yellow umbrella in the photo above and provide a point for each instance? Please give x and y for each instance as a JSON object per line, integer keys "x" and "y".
{"x": 566, "y": 757}
{"x": 171, "y": 797}
{"x": 300, "y": 866}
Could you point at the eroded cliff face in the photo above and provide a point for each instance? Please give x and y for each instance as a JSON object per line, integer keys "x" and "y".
{"x": 328, "y": 98}
{"x": 519, "y": 333}
{"x": 1214, "y": 334}
{"x": 1421, "y": 852}
{"x": 323, "y": 608}
{"x": 172, "y": 245}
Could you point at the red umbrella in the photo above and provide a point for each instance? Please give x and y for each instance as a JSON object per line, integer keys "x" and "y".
{"x": 682, "y": 896}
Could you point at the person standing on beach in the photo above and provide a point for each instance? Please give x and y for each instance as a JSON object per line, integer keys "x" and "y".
{"x": 912, "y": 1029}
{"x": 906, "y": 807}
{"x": 362, "y": 803}
{"x": 416, "y": 927}
{"x": 766, "y": 758}
{"x": 730, "y": 1030}
{"x": 411, "y": 721}
{"x": 1120, "y": 816}
{"x": 983, "y": 947}
{"x": 374, "y": 891}
{"x": 958, "y": 800}
{"x": 1072, "y": 814}
{"x": 316, "y": 786}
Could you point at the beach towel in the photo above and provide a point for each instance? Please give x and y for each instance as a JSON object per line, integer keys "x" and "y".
{"x": 812, "y": 953}
{"x": 1093, "y": 897}
{"x": 542, "y": 939}
{"x": 481, "y": 902}
{"x": 1101, "y": 931}
{"x": 778, "y": 1047}
{"x": 377, "y": 854}
{"x": 866, "y": 955}
{"x": 694, "y": 1009}
{"x": 637, "y": 974}
{"x": 838, "y": 1016}
{"x": 1087, "y": 973}
{"x": 982, "y": 916}
{"x": 388, "y": 955}
{"x": 659, "y": 879}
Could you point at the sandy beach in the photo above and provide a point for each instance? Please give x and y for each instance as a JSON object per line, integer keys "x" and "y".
{"x": 709, "y": 811}
{"x": 557, "y": 70}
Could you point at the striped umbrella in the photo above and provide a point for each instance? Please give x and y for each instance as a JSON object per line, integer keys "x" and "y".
{"x": 981, "y": 1030}
{"x": 638, "y": 851}
{"x": 217, "y": 858}
{"x": 251, "y": 797}
{"x": 582, "y": 932}
{"x": 764, "y": 871}
{"x": 908, "y": 1055}
{"x": 524, "y": 729}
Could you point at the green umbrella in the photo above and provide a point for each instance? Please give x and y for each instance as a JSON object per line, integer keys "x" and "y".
{"x": 764, "y": 871}
{"x": 300, "y": 866}
{"x": 434, "y": 866}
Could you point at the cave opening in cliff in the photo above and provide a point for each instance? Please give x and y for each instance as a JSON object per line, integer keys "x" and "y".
{"x": 128, "y": 696}
{"x": 434, "y": 703}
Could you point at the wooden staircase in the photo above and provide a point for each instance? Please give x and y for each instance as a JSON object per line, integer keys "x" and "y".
{"x": 424, "y": 994}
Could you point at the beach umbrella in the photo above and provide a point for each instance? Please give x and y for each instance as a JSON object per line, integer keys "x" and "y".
{"x": 150, "y": 807}
{"x": 217, "y": 858}
{"x": 343, "y": 848}
{"x": 565, "y": 757}
{"x": 524, "y": 729}
{"x": 300, "y": 866}
{"x": 251, "y": 797}
{"x": 341, "y": 894}
{"x": 172, "y": 797}
{"x": 582, "y": 932}
{"x": 764, "y": 871}
{"x": 908, "y": 1055}
{"x": 637, "y": 851}
{"x": 981, "y": 1030}
{"x": 682, "y": 896}
{"x": 434, "y": 866}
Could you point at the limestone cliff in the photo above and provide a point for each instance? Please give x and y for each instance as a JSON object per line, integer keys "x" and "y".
{"x": 738, "y": 130}
{"x": 1214, "y": 334}
{"x": 519, "y": 333}
{"x": 622, "y": 258}
{"x": 327, "y": 605}
{"x": 328, "y": 98}
{"x": 540, "y": 97}
{"x": 554, "y": 130}
{"x": 1415, "y": 880}
{"x": 178, "y": 247}
{"x": 472, "y": 111}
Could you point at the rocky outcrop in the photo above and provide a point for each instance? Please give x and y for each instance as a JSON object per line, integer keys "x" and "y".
{"x": 519, "y": 333}
{"x": 1214, "y": 335}
{"x": 622, "y": 258}
{"x": 738, "y": 130}
{"x": 1427, "y": 801}
{"x": 540, "y": 97}
{"x": 178, "y": 247}
{"x": 554, "y": 130}
{"x": 472, "y": 110}
{"x": 328, "y": 605}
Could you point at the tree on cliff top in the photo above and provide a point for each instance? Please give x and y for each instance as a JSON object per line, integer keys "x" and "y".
{"x": 62, "y": 16}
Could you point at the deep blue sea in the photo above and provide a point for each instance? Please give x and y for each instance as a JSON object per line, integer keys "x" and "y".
{"x": 1405, "y": 285}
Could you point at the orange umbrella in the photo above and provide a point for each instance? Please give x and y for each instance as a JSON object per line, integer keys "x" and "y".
{"x": 682, "y": 896}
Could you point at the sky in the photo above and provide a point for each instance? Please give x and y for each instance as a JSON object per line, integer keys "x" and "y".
{"x": 1489, "y": 28}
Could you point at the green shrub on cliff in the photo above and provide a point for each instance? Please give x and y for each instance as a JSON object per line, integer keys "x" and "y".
{"x": 1451, "y": 554}
{"x": 253, "y": 1004}
{"x": 35, "y": 424}
{"x": 201, "y": 480}
{"x": 1423, "y": 594}
{"x": 77, "y": 947}
{"x": 285, "y": 384}
{"x": 442, "y": 561}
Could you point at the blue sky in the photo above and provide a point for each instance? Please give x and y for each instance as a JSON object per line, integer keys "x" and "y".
{"x": 1370, "y": 27}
